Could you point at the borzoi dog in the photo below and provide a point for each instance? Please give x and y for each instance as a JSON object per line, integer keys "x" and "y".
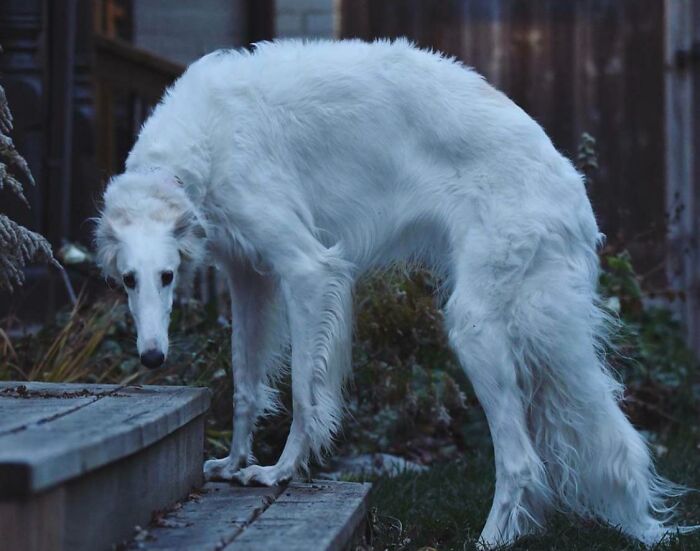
{"x": 300, "y": 166}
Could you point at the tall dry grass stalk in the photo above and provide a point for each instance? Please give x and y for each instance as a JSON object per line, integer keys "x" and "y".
{"x": 70, "y": 354}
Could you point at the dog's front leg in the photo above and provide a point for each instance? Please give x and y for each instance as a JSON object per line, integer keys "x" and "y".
{"x": 256, "y": 339}
{"x": 319, "y": 309}
{"x": 296, "y": 449}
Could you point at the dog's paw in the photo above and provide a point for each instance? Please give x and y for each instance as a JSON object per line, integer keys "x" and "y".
{"x": 222, "y": 469}
{"x": 255, "y": 475}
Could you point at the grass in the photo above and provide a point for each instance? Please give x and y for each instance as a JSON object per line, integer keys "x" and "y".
{"x": 446, "y": 507}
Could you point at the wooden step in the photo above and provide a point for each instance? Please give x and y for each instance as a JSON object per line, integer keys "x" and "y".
{"x": 80, "y": 465}
{"x": 320, "y": 516}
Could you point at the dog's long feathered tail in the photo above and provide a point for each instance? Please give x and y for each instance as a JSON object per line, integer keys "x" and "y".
{"x": 597, "y": 464}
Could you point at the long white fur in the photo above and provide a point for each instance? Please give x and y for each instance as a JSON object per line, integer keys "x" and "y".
{"x": 310, "y": 163}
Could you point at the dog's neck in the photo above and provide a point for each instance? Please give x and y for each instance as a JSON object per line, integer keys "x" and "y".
{"x": 173, "y": 141}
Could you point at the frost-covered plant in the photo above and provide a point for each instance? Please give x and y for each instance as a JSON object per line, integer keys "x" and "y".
{"x": 18, "y": 245}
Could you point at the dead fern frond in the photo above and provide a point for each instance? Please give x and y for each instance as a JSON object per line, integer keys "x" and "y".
{"x": 14, "y": 185}
{"x": 18, "y": 247}
{"x": 9, "y": 156}
{"x": 5, "y": 115}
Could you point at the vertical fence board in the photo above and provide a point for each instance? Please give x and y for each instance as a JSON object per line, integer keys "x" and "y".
{"x": 563, "y": 91}
{"x": 682, "y": 99}
{"x": 694, "y": 208}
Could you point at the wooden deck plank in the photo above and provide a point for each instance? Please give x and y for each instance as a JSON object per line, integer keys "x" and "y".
{"x": 116, "y": 425}
{"x": 321, "y": 515}
{"x": 212, "y": 521}
{"x": 34, "y": 411}
{"x": 23, "y": 397}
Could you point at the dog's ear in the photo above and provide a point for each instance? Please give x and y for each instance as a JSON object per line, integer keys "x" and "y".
{"x": 191, "y": 237}
{"x": 107, "y": 246}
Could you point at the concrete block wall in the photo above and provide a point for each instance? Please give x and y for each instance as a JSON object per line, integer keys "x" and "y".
{"x": 182, "y": 30}
{"x": 306, "y": 18}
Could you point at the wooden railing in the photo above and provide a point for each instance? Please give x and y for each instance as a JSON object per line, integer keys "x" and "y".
{"x": 128, "y": 83}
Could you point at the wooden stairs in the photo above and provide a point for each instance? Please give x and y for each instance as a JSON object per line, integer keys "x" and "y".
{"x": 82, "y": 467}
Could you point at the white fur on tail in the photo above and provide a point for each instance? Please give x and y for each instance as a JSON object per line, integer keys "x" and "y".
{"x": 310, "y": 163}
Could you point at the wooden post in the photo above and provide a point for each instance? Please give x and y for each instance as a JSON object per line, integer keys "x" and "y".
{"x": 61, "y": 57}
{"x": 261, "y": 20}
{"x": 682, "y": 98}
{"x": 59, "y": 131}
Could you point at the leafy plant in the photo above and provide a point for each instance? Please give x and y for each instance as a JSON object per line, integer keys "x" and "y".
{"x": 658, "y": 368}
{"x": 587, "y": 156}
{"x": 407, "y": 397}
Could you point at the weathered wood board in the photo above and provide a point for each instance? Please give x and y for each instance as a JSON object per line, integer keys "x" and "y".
{"x": 320, "y": 515}
{"x": 80, "y": 465}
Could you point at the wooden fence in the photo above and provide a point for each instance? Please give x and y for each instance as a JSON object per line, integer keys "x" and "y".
{"x": 625, "y": 71}
{"x": 574, "y": 66}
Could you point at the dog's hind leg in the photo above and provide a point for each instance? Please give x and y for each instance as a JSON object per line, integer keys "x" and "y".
{"x": 318, "y": 295}
{"x": 258, "y": 341}
{"x": 478, "y": 334}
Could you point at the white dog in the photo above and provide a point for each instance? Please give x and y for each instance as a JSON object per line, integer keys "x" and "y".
{"x": 302, "y": 165}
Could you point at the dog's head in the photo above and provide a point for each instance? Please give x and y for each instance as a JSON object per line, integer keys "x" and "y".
{"x": 146, "y": 236}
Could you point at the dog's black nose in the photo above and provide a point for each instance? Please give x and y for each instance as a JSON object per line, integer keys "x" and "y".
{"x": 152, "y": 358}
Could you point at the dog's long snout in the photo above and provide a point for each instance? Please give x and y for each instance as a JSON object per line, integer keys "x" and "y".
{"x": 152, "y": 358}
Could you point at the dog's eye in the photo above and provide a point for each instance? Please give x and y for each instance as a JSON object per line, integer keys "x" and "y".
{"x": 129, "y": 281}
{"x": 166, "y": 278}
